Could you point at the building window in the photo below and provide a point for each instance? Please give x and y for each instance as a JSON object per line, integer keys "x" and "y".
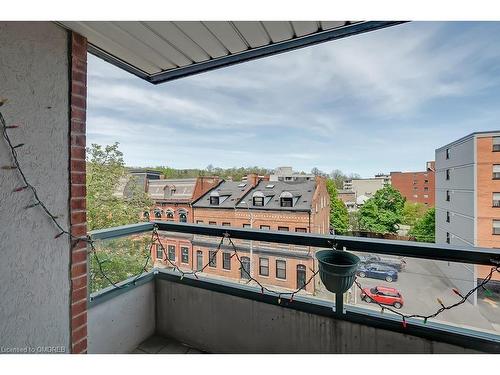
{"x": 226, "y": 261}
{"x": 301, "y": 230}
{"x": 284, "y": 229}
{"x": 159, "y": 252}
{"x": 447, "y": 237}
{"x": 301, "y": 276}
{"x": 496, "y": 171}
{"x": 447, "y": 174}
{"x": 170, "y": 215}
{"x": 496, "y": 199}
{"x": 258, "y": 201}
{"x": 281, "y": 269}
{"x": 496, "y": 143}
{"x": 171, "y": 253}
{"x": 158, "y": 214}
{"x": 265, "y": 227}
{"x": 426, "y": 195}
{"x": 264, "y": 266}
{"x": 146, "y": 215}
{"x": 414, "y": 182}
{"x": 199, "y": 221}
{"x": 212, "y": 260}
{"x": 212, "y": 223}
{"x": 214, "y": 201}
{"x": 184, "y": 254}
{"x": 448, "y": 197}
{"x": 426, "y": 188}
{"x": 426, "y": 181}
{"x": 199, "y": 260}
{"x": 245, "y": 268}
{"x": 415, "y": 188}
{"x": 447, "y": 153}
{"x": 286, "y": 202}
{"x": 226, "y": 224}
{"x": 246, "y": 226}
{"x": 447, "y": 216}
{"x": 496, "y": 226}
{"x": 183, "y": 217}
{"x": 415, "y": 196}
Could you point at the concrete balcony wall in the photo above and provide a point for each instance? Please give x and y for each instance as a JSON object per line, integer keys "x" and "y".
{"x": 121, "y": 323}
{"x": 221, "y": 323}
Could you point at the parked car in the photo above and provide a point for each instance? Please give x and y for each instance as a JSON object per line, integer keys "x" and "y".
{"x": 378, "y": 271}
{"x": 398, "y": 264}
{"x": 383, "y": 295}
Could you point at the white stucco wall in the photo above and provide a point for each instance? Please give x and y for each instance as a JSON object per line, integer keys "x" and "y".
{"x": 34, "y": 267}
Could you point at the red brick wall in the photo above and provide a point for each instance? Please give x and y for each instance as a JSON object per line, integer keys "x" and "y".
{"x": 404, "y": 182}
{"x": 485, "y": 187}
{"x": 78, "y": 221}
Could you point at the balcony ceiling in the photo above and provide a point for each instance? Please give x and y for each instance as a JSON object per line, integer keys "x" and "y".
{"x": 161, "y": 51}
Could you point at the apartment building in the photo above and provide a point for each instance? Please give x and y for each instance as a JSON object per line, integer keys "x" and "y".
{"x": 416, "y": 187}
{"x": 468, "y": 194}
{"x": 365, "y": 188}
{"x": 300, "y": 206}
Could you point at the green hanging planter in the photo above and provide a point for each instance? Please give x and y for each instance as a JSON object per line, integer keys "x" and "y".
{"x": 337, "y": 269}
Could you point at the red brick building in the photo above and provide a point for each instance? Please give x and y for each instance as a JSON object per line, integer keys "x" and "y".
{"x": 417, "y": 187}
{"x": 173, "y": 197}
{"x": 258, "y": 204}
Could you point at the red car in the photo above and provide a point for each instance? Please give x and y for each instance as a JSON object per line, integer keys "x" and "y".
{"x": 383, "y": 295}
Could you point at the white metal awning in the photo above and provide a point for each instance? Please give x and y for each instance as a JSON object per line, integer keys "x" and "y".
{"x": 161, "y": 51}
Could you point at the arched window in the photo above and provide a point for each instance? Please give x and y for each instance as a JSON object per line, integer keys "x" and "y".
{"x": 183, "y": 216}
{"x": 170, "y": 215}
{"x": 245, "y": 268}
{"x": 286, "y": 199}
{"x": 301, "y": 276}
{"x": 158, "y": 214}
{"x": 146, "y": 215}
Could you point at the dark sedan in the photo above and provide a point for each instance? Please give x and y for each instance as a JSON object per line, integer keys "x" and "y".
{"x": 377, "y": 271}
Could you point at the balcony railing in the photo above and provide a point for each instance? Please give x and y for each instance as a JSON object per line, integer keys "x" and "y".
{"x": 431, "y": 273}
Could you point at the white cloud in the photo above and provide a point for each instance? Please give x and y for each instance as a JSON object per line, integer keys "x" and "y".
{"x": 364, "y": 103}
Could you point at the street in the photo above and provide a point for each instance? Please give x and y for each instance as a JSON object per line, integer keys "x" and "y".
{"x": 421, "y": 283}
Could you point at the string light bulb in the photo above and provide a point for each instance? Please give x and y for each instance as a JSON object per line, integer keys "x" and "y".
{"x": 440, "y": 302}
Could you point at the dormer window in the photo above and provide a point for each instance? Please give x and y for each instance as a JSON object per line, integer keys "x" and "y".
{"x": 214, "y": 198}
{"x": 286, "y": 199}
{"x": 258, "y": 199}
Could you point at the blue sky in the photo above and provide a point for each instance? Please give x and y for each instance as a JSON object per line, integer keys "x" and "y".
{"x": 376, "y": 102}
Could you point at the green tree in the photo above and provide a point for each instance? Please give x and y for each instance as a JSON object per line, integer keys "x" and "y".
{"x": 424, "y": 228}
{"x": 339, "y": 217}
{"x": 106, "y": 174}
{"x": 107, "y": 207}
{"x": 412, "y": 212}
{"x": 383, "y": 212}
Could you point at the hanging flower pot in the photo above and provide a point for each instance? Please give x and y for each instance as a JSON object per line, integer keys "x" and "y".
{"x": 337, "y": 269}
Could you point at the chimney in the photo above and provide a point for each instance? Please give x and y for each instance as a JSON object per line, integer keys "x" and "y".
{"x": 252, "y": 179}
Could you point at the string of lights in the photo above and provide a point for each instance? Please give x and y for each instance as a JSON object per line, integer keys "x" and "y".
{"x": 242, "y": 267}
{"x": 138, "y": 275}
{"x": 155, "y": 238}
{"x": 463, "y": 299}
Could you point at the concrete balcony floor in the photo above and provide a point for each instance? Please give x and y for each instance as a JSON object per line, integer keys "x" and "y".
{"x": 164, "y": 345}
